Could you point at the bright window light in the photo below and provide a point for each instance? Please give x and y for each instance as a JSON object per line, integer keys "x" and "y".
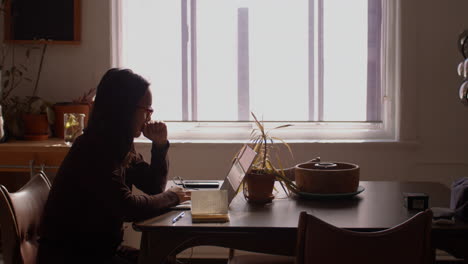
{"x": 299, "y": 61}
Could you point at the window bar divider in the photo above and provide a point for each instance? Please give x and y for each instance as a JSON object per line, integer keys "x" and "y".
{"x": 243, "y": 77}
{"x": 374, "y": 91}
{"x": 184, "y": 46}
{"x": 116, "y": 36}
{"x": 193, "y": 56}
{"x": 311, "y": 72}
{"x": 320, "y": 65}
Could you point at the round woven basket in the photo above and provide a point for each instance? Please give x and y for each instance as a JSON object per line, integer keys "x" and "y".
{"x": 330, "y": 177}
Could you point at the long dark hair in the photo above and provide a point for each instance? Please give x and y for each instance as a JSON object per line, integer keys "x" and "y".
{"x": 112, "y": 118}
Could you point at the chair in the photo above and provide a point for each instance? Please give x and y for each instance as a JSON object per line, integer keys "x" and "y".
{"x": 20, "y": 216}
{"x": 258, "y": 259}
{"x": 320, "y": 242}
{"x": 408, "y": 242}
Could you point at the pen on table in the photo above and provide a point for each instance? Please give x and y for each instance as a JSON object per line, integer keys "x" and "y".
{"x": 179, "y": 216}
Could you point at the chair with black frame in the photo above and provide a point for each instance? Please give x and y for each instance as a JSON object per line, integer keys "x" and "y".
{"x": 20, "y": 216}
{"x": 320, "y": 242}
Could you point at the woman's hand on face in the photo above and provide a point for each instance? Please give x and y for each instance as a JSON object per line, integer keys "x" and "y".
{"x": 156, "y": 131}
{"x": 181, "y": 193}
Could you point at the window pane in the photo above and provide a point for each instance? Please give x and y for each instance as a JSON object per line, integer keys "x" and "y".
{"x": 151, "y": 46}
{"x": 345, "y": 60}
{"x": 278, "y": 58}
{"x": 273, "y": 56}
{"x": 217, "y": 60}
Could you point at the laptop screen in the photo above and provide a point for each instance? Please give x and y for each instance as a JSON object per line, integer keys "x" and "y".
{"x": 239, "y": 168}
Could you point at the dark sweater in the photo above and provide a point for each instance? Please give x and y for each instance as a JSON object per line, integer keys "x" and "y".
{"x": 91, "y": 197}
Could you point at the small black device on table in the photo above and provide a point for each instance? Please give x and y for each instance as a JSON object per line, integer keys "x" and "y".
{"x": 199, "y": 184}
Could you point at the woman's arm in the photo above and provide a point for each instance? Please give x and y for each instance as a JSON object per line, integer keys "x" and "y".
{"x": 150, "y": 178}
{"x": 136, "y": 207}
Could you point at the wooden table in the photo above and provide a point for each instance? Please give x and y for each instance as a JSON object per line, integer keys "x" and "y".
{"x": 272, "y": 228}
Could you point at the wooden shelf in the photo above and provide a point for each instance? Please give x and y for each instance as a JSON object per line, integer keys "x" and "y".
{"x": 16, "y": 157}
{"x": 49, "y": 145}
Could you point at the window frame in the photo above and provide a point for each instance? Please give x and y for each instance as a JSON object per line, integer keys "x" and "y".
{"x": 313, "y": 131}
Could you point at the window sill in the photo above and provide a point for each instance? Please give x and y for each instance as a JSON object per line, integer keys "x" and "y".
{"x": 317, "y": 132}
{"x": 390, "y": 143}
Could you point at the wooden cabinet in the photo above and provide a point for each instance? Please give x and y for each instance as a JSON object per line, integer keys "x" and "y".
{"x": 20, "y": 159}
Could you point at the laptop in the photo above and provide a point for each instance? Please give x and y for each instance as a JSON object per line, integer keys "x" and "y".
{"x": 239, "y": 167}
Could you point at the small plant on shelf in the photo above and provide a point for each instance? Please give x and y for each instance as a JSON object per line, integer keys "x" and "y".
{"x": 24, "y": 114}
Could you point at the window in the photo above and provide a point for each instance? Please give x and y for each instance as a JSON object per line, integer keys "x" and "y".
{"x": 322, "y": 64}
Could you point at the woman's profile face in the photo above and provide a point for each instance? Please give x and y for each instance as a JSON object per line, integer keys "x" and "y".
{"x": 142, "y": 113}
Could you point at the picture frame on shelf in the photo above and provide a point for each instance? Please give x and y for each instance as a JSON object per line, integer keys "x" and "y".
{"x": 35, "y": 22}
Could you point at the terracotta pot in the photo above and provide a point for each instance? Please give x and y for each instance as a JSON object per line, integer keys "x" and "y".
{"x": 320, "y": 177}
{"x": 36, "y": 126}
{"x": 61, "y": 108}
{"x": 259, "y": 187}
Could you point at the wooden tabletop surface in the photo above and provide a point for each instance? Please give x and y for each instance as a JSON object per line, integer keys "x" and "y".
{"x": 379, "y": 206}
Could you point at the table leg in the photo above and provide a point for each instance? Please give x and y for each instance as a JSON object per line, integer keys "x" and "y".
{"x": 156, "y": 248}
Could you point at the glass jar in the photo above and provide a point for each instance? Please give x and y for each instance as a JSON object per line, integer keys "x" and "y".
{"x": 73, "y": 125}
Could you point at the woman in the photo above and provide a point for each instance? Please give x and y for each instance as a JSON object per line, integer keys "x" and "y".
{"x": 91, "y": 194}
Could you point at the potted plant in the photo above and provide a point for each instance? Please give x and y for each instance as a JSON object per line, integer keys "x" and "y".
{"x": 36, "y": 119}
{"x": 37, "y": 111}
{"x": 259, "y": 181}
{"x": 33, "y": 111}
{"x": 12, "y": 76}
{"x": 24, "y": 117}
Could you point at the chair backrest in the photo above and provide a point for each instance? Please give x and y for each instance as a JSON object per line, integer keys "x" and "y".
{"x": 409, "y": 242}
{"x": 20, "y": 216}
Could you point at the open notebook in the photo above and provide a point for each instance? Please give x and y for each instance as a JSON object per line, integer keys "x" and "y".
{"x": 210, "y": 206}
{"x": 239, "y": 167}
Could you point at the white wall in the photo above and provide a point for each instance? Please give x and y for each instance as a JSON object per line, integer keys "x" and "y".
{"x": 434, "y": 124}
